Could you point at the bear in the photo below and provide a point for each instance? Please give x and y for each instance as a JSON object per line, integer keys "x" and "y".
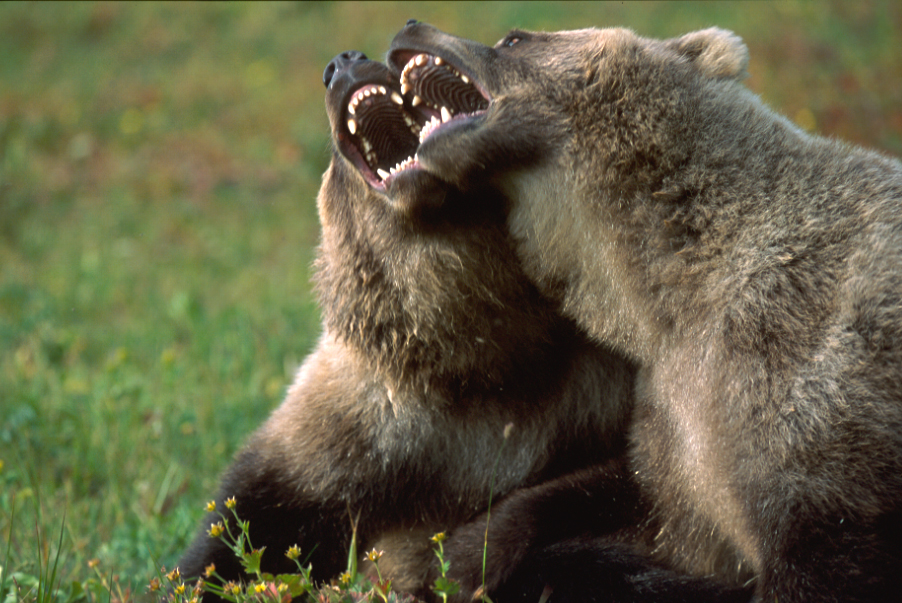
{"x": 433, "y": 341}
{"x": 750, "y": 269}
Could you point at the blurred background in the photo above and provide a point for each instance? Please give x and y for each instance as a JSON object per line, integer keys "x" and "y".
{"x": 159, "y": 165}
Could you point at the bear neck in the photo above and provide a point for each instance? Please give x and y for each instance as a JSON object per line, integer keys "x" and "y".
{"x": 452, "y": 321}
{"x": 674, "y": 239}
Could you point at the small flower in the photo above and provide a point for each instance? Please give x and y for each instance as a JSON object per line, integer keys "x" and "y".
{"x": 230, "y": 502}
{"x": 440, "y": 537}
{"x": 93, "y": 563}
{"x": 259, "y": 587}
{"x": 216, "y": 529}
{"x": 294, "y": 552}
{"x": 232, "y": 588}
{"x": 180, "y": 589}
{"x": 345, "y": 578}
{"x": 374, "y": 555}
{"x": 173, "y": 575}
{"x": 282, "y": 587}
{"x": 154, "y": 585}
{"x": 210, "y": 570}
{"x": 211, "y": 506}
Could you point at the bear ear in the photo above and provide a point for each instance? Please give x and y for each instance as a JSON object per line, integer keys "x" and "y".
{"x": 715, "y": 52}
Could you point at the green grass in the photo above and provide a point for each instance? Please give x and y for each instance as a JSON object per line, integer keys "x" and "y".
{"x": 158, "y": 171}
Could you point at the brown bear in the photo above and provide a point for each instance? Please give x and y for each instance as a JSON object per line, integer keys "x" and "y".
{"x": 433, "y": 341}
{"x": 751, "y": 270}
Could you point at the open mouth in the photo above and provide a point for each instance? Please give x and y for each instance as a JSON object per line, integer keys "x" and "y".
{"x": 384, "y": 124}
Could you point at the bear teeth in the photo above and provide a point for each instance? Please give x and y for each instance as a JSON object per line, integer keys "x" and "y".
{"x": 399, "y": 167}
{"x": 431, "y": 83}
{"x": 366, "y": 105}
{"x": 368, "y": 91}
{"x": 428, "y": 128}
{"x": 420, "y": 60}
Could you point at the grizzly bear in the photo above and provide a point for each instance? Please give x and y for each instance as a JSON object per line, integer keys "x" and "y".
{"x": 433, "y": 342}
{"x": 750, "y": 270}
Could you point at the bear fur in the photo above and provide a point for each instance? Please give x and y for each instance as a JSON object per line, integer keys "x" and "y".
{"x": 433, "y": 342}
{"x": 750, "y": 269}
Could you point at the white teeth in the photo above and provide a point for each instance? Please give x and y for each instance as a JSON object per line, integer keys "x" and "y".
{"x": 352, "y": 126}
{"x": 360, "y": 95}
{"x": 399, "y": 167}
{"x": 418, "y": 61}
{"x": 382, "y": 173}
{"x": 446, "y": 115}
{"x": 430, "y": 125}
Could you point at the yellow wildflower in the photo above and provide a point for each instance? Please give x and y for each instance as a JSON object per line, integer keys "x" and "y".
{"x": 374, "y": 555}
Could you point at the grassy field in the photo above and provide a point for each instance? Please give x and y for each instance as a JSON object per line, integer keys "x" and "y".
{"x": 158, "y": 170}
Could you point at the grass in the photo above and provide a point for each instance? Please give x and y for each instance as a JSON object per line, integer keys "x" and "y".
{"x": 158, "y": 170}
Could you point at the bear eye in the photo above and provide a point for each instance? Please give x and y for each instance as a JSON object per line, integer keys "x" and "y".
{"x": 515, "y": 37}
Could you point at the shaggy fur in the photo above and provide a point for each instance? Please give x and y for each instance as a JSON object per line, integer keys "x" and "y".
{"x": 750, "y": 269}
{"x": 433, "y": 341}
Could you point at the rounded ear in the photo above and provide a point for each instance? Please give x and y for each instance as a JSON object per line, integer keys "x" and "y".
{"x": 715, "y": 52}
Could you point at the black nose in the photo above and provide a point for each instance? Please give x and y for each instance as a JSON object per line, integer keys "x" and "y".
{"x": 412, "y": 22}
{"x": 340, "y": 63}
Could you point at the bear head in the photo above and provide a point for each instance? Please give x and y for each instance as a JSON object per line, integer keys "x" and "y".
{"x": 534, "y": 96}
{"x": 604, "y": 115}
{"x": 413, "y": 272}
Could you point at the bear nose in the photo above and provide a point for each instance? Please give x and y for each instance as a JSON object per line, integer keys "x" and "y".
{"x": 412, "y": 22}
{"x": 340, "y": 63}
